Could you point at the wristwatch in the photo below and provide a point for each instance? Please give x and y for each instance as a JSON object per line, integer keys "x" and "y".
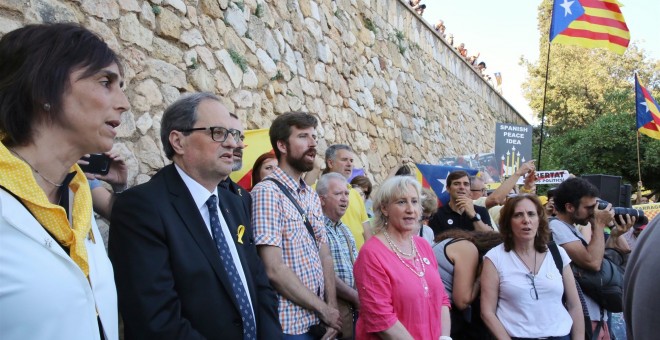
{"x": 476, "y": 218}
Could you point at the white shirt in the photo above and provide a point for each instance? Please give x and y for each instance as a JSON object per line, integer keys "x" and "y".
{"x": 521, "y": 315}
{"x": 200, "y": 196}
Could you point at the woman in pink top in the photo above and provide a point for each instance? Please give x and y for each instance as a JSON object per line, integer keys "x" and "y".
{"x": 396, "y": 273}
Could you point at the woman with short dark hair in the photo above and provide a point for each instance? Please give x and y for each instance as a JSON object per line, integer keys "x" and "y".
{"x": 60, "y": 98}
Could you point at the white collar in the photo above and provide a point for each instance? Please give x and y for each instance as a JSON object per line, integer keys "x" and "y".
{"x": 199, "y": 193}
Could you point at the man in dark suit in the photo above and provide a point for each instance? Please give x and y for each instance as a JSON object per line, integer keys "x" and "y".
{"x": 227, "y": 183}
{"x": 185, "y": 262}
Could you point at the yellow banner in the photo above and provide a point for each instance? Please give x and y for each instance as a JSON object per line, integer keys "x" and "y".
{"x": 651, "y": 210}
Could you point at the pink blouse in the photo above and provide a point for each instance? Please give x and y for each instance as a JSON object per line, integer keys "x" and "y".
{"x": 390, "y": 291}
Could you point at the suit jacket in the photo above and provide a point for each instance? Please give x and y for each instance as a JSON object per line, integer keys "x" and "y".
{"x": 43, "y": 293}
{"x": 243, "y": 195}
{"x": 170, "y": 279}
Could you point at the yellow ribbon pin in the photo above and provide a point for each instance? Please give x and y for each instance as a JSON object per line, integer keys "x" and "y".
{"x": 241, "y": 231}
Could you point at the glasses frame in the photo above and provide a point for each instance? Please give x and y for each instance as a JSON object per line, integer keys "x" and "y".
{"x": 531, "y": 280}
{"x": 225, "y": 133}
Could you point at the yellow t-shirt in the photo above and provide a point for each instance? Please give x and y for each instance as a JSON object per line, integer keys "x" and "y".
{"x": 356, "y": 214}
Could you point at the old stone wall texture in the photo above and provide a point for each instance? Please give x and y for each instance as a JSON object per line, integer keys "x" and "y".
{"x": 376, "y": 75}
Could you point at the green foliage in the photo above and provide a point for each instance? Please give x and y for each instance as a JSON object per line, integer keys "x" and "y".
{"x": 606, "y": 146}
{"x": 194, "y": 64}
{"x": 369, "y": 24}
{"x": 238, "y": 59}
{"x": 277, "y": 76}
{"x": 259, "y": 11}
{"x": 400, "y": 41}
{"x": 584, "y": 84}
{"x": 156, "y": 9}
{"x": 399, "y": 35}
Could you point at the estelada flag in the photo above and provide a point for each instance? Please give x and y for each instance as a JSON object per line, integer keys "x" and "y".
{"x": 648, "y": 115}
{"x": 258, "y": 143}
{"x": 589, "y": 23}
{"x": 435, "y": 177}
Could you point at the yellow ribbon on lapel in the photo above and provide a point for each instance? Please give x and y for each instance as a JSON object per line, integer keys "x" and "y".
{"x": 240, "y": 232}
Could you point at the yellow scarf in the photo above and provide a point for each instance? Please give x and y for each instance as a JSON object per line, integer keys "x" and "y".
{"x": 16, "y": 176}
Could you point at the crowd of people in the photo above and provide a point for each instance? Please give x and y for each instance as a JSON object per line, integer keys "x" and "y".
{"x": 302, "y": 254}
{"x": 472, "y": 59}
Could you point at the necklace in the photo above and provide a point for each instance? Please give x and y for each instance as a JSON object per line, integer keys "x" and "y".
{"x": 531, "y": 271}
{"x": 35, "y": 170}
{"x": 415, "y": 259}
{"x": 396, "y": 249}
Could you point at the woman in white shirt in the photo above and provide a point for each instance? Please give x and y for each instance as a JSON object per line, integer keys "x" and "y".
{"x": 521, "y": 288}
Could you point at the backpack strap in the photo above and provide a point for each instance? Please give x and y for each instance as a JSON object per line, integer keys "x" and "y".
{"x": 286, "y": 192}
{"x": 555, "y": 256}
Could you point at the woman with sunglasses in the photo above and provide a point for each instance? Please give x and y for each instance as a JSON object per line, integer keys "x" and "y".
{"x": 521, "y": 288}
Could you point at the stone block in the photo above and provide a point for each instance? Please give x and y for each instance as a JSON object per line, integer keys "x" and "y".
{"x": 104, "y": 9}
{"x": 169, "y": 24}
{"x": 202, "y": 79}
{"x": 132, "y": 31}
{"x": 234, "y": 71}
{"x": 211, "y": 8}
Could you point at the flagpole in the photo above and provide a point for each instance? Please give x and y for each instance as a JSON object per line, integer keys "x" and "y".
{"x": 545, "y": 91}
{"x": 639, "y": 174}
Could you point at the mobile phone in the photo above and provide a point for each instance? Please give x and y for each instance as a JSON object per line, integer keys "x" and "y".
{"x": 98, "y": 164}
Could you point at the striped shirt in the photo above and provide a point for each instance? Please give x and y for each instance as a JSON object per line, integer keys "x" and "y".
{"x": 277, "y": 222}
{"x": 343, "y": 249}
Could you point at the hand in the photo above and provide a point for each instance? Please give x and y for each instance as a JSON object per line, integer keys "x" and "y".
{"x": 530, "y": 179}
{"x": 466, "y": 205}
{"x": 622, "y": 223}
{"x": 603, "y": 217}
{"x": 330, "y": 316}
{"x": 330, "y": 334}
{"x": 526, "y": 167}
{"x": 117, "y": 175}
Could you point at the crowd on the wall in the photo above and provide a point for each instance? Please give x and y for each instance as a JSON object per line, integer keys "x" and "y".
{"x": 472, "y": 59}
{"x": 307, "y": 252}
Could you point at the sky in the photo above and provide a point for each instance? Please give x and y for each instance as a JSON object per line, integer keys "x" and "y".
{"x": 503, "y": 31}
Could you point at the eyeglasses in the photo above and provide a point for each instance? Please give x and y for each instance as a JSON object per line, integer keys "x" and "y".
{"x": 219, "y": 134}
{"x": 535, "y": 296}
{"x": 479, "y": 190}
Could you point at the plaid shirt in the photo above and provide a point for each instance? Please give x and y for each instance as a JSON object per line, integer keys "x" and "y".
{"x": 344, "y": 251}
{"x": 277, "y": 222}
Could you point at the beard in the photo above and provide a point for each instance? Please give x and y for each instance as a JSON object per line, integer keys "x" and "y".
{"x": 580, "y": 221}
{"x": 238, "y": 160}
{"x": 301, "y": 163}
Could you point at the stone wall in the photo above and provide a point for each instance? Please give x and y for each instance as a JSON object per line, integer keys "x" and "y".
{"x": 375, "y": 74}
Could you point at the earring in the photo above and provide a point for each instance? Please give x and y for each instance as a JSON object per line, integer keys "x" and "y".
{"x": 46, "y": 107}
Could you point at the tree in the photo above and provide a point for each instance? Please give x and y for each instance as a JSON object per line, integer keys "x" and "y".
{"x": 606, "y": 146}
{"x": 584, "y": 84}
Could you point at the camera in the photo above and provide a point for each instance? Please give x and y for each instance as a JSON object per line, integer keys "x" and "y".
{"x": 621, "y": 210}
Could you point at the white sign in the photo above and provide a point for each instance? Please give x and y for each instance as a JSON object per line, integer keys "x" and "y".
{"x": 547, "y": 177}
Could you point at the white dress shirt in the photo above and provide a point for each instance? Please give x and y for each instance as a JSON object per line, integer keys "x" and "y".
{"x": 200, "y": 196}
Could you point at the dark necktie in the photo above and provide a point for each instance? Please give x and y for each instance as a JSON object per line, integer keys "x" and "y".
{"x": 249, "y": 327}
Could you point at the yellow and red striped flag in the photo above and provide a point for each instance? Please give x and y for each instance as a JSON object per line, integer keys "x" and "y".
{"x": 589, "y": 23}
{"x": 258, "y": 143}
{"x": 648, "y": 111}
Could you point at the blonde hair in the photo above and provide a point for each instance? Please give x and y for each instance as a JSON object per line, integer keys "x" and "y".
{"x": 429, "y": 202}
{"x": 392, "y": 189}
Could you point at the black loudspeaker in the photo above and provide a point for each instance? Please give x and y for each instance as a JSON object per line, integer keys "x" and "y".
{"x": 626, "y": 193}
{"x": 608, "y": 186}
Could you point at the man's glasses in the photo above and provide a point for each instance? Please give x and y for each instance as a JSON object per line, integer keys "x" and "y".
{"x": 219, "y": 134}
{"x": 534, "y": 296}
{"x": 479, "y": 190}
